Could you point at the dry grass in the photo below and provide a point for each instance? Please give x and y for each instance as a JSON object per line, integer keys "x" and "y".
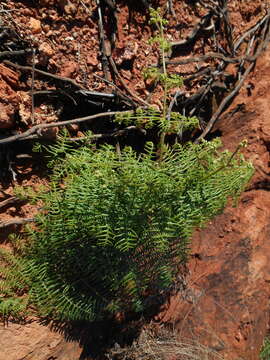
{"x": 164, "y": 346}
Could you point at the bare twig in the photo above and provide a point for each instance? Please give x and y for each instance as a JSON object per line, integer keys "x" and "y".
{"x": 226, "y": 59}
{"x": 197, "y": 74}
{"x": 14, "y": 53}
{"x": 265, "y": 40}
{"x": 124, "y": 96}
{"x": 194, "y": 33}
{"x": 55, "y": 93}
{"x": 105, "y": 51}
{"x": 170, "y": 8}
{"x": 135, "y": 96}
{"x": 18, "y": 221}
{"x": 227, "y": 26}
{"x": 108, "y": 135}
{"x": 32, "y": 87}
{"x": 173, "y": 101}
{"x": 9, "y": 201}
{"x": 44, "y": 73}
{"x": 223, "y": 104}
{"x": 38, "y": 128}
{"x": 252, "y": 30}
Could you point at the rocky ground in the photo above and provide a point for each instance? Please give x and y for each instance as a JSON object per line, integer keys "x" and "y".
{"x": 224, "y": 302}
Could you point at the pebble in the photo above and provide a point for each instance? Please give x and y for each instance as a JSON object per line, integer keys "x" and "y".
{"x": 34, "y": 25}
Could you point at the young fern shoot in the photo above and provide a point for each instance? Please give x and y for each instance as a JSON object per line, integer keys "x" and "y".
{"x": 171, "y": 123}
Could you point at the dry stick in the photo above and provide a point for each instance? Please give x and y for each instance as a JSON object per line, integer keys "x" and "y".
{"x": 135, "y": 96}
{"x": 122, "y": 94}
{"x": 55, "y": 92}
{"x": 192, "y": 36}
{"x": 199, "y": 73}
{"x": 39, "y": 127}
{"x": 32, "y": 87}
{"x": 222, "y": 105}
{"x": 94, "y": 136}
{"x": 226, "y": 100}
{"x": 16, "y": 222}
{"x": 9, "y": 201}
{"x": 14, "y": 53}
{"x": 226, "y": 59}
{"x": 252, "y": 30}
{"x": 227, "y": 26}
{"x": 171, "y": 9}
{"x": 106, "y": 135}
{"x": 104, "y": 49}
{"x": 44, "y": 73}
{"x": 178, "y": 93}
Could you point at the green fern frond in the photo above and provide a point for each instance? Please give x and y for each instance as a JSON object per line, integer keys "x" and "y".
{"x": 119, "y": 225}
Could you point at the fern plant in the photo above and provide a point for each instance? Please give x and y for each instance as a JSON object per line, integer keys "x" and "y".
{"x": 265, "y": 350}
{"x": 115, "y": 227}
{"x": 167, "y": 122}
{"x": 14, "y": 286}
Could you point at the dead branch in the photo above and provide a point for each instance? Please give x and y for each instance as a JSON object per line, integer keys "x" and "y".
{"x": 223, "y": 104}
{"x": 44, "y": 73}
{"x": 38, "y": 128}
{"x": 16, "y": 221}
{"x": 108, "y": 135}
{"x": 5, "y": 54}
{"x": 130, "y": 92}
{"x": 194, "y": 33}
{"x": 209, "y": 56}
{"x": 252, "y": 30}
{"x": 104, "y": 45}
{"x": 10, "y": 201}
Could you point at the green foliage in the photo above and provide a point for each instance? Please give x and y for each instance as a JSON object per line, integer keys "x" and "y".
{"x": 115, "y": 227}
{"x": 156, "y": 18}
{"x": 265, "y": 352}
{"x": 171, "y": 81}
{"x": 13, "y": 287}
{"x": 151, "y": 117}
{"x": 167, "y": 122}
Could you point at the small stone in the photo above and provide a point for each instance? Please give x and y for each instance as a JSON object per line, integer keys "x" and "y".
{"x": 7, "y": 120}
{"x": 74, "y": 128}
{"x": 35, "y": 25}
{"x": 69, "y": 68}
{"x": 46, "y": 49}
{"x": 50, "y": 133}
{"x": 92, "y": 60}
{"x": 126, "y": 74}
{"x": 70, "y": 9}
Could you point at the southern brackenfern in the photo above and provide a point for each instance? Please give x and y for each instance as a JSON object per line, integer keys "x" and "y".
{"x": 14, "y": 287}
{"x": 114, "y": 227}
{"x": 165, "y": 120}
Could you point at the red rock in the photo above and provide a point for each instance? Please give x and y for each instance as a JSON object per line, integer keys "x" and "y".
{"x": 46, "y": 49}
{"x": 50, "y": 133}
{"x": 9, "y": 100}
{"x": 69, "y": 68}
{"x": 92, "y": 60}
{"x": 9, "y": 76}
{"x": 34, "y": 25}
{"x": 35, "y": 342}
{"x": 7, "y": 116}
